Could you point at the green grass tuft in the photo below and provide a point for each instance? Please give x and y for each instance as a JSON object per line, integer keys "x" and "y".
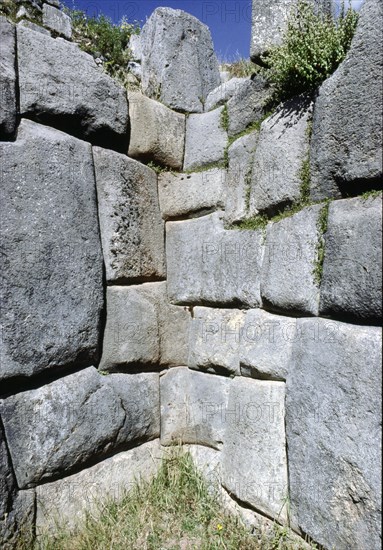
{"x": 322, "y": 228}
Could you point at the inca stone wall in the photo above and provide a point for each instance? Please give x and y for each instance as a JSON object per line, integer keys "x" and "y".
{"x": 140, "y": 311}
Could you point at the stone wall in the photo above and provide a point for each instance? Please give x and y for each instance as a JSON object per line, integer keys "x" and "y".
{"x": 139, "y": 310}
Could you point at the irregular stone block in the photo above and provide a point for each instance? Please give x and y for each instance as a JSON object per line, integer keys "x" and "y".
{"x": 215, "y": 336}
{"x": 220, "y": 95}
{"x": 135, "y": 47}
{"x": 193, "y": 407}
{"x": 157, "y": 134}
{"x": 352, "y": 269}
{"x": 52, "y": 294}
{"x": 254, "y": 466}
{"x": 7, "y": 80}
{"x": 282, "y": 148}
{"x": 241, "y": 154}
{"x": 56, "y": 428}
{"x": 57, "y": 21}
{"x": 346, "y": 146}
{"x": 208, "y": 265}
{"x": 248, "y": 104}
{"x": 132, "y": 231}
{"x": 61, "y": 86}
{"x": 183, "y": 194}
{"x": 333, "y": 419}
{"x": 208, "y": 463}
{"x": 266, "y": 345}
{"x": 206, "y": 139}
{"x": 179, "y": 65}
{"x": 33, "y": 27}
{"x": 288, "y": 278}
{"x": 67, "y": 501}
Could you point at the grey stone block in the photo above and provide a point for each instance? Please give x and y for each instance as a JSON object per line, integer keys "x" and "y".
{"x": 346, "y": 147}
{"x": 57, "y": 21}
{"x": 52, "y": 294}
{"x": 33, "y": 27}
{"x": 220, "y": 95}
{"x": 206, "y": 139}
{"x": 132, "y": 231}
{"x": 333, "y": 419}
{"x": 157, "y": 134}
{"x": 135, "y": 47}
{"x": 179, "y": 65}
{"x": 288, "y": 280}
{"x": 7, "y": 80}
{"x": 61, "y": 86}
{"x": 193, "y": 407}
{"x": 208, "y": 265}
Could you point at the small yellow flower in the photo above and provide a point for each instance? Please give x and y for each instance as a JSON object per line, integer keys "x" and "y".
{"x": 219, "y": 527}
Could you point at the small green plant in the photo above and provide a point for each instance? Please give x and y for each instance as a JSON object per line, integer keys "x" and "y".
{"x": 322, "y": 228}
{"x": 225, "y": 118}
{"x": 372, "y": 194}
{"x": 313, "y": 46}
{"x": 9, "y": 9}
{"x": 240, "y": 68}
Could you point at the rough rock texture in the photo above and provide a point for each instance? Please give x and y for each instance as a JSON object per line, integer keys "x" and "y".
{"x": 33, "y": 27}
{"x": 333, "y": 412}
{"x": 241, "y": 154}
{"x": 282, "y": 148}
{"x": 220, "y": 95}
{"x": 206, "y": 139}
{"x": 132, "y": 230}
{"x": 61, "y": 86}
{"x": 57, "y": 21}
{"x": 183, "y": 194}
{"x": 179, "y": 65}
{"x": 135, "y": 47}
{"x": 254, "y": 454}
{"x": 208, "y": 265}
{"x": 157, "y": 134}
{"x": 266, "y": 345}
{"x": 248, "y": 104}
{"x": 288, "y": 279}
{"x": 52, "y": 293}
{"x": 215, "y": 336}
{"x": 7, "y": 80}
{"x": 346, "y": 154}
{"x": 67, "y": 500}
{"x": 352, "y": 270}
{"x": 57, "y": 427}
{"x": 193, "y": 407}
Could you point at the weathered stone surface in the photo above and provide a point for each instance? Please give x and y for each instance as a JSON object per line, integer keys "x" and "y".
{"x": 215, "y": 337}
{"x": 56, "y": 428}
{"x": 206, "y": 139}
{"x": 52, "y": 293}
{"x": 248, "y": 104}
{"x": 57, "y": 21}
{"x": 266, "y": 345}
{"x": 208, "y": 265}
{"x": 179, "y": 65}
{"x": 220, "y": 95}
{"x": 61, "y": 86}
{"x": 132, "y": 231}
{"x": 254, "y": 466}
{"x": 333, "y": 415}
{"x": 66, "y": 501}
{"x": 241, "y": 154}
{"x": 157, "y": 133}
{"x": 193, "y": 407}
{"x": 183, "y": 194}
{"x": 135, "y": 47}
{"x": 282, "y": 148}
{"x": 288, "y": 279}
{"x": 346, "y": 153}
{"x": 7, "y": 80}
{"x": 352, "y": 269}
{"x": 33, "y": 27}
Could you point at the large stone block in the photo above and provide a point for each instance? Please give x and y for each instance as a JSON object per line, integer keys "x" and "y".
{"x": 132, "y": 231}
{"x": 193, "y": 407}
{"x": 157, "y": 134}
{"x": 288, "y": 272}
{"x": 52, "y": 293}
{"x": 206, "y": 139}
{"x": 193, "y": 194}
{"x": 56, "y": 428}
{"x": 57, "y": 21}
{"x": 210, "y": 265}
{"x": 61, "y": 86}
{"x": 254, "y": 465}
{"x": 220, "y": 95}
{"x": 282, "y": 148}
{"x": 179, "y": 66}
{"x": 8, "y": 106}
{"x": 346, "y": 154}
{"x": 352, "y": 269}
{"x": 333, "y": 419}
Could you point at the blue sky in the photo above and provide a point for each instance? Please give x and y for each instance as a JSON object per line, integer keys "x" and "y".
{"x": 229, "y": 20}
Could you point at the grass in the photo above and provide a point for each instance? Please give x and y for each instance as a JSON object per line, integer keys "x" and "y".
{"x": 372, "y": 194}
{"x": 9, "y": 9}
{"x": 322, "y": 228}
{"x": 224, "y": 122}
{"x": 240, "y": 68}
